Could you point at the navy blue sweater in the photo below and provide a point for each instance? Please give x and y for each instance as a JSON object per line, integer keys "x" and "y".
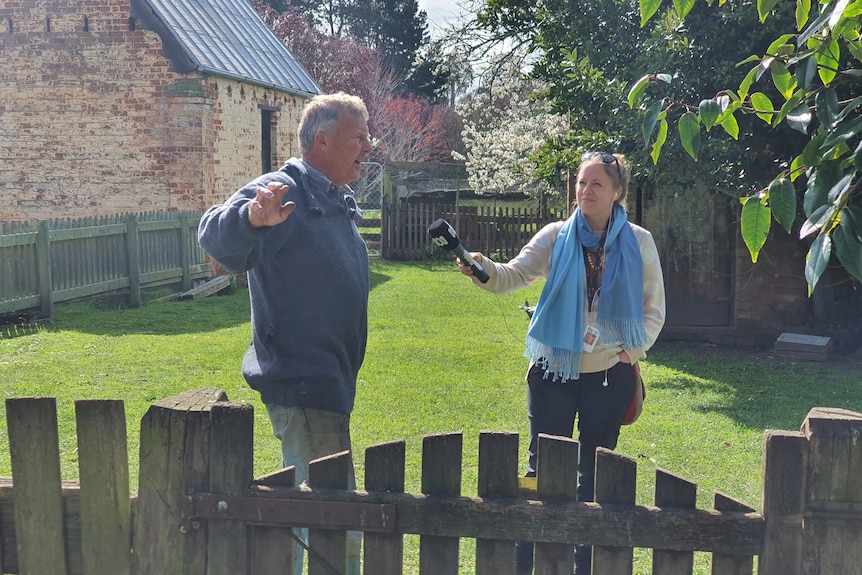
{"x": 308, "y": 283}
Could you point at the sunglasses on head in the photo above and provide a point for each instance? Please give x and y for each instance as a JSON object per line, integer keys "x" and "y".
{"x": 606, "y": 159}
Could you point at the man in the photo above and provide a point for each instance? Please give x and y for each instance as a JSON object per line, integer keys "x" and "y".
{"x": 294, "y": 232}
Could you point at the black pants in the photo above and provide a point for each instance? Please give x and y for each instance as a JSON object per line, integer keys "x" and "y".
{"x": 600, "y": 409}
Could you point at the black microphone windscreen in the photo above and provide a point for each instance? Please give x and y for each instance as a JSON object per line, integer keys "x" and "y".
{"x": 443, "y": 235}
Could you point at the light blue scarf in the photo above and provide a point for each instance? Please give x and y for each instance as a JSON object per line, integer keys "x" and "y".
{"x": 555, "y": 339}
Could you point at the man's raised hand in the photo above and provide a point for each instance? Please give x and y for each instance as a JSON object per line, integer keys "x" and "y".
{"x": 267, "y": 208}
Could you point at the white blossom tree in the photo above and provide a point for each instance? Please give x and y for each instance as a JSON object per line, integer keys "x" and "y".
{"x": 504, "y": 126}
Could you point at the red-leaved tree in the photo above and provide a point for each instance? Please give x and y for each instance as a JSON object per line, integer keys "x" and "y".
{"x": 405, "y": 128}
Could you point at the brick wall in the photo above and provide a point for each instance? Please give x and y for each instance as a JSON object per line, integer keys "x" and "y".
{"x": 236, "y": 133}
{"x": 94, "y": 121}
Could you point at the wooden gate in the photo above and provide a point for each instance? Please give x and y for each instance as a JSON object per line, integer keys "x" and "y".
{"x": 199, "y": 511}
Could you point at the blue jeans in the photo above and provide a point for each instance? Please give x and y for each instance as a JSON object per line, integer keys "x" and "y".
{"x": 306, "y": 435}
{"x": 600, "y": 409}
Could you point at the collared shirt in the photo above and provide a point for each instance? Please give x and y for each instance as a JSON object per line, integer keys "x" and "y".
{"x": 337, "y": 193}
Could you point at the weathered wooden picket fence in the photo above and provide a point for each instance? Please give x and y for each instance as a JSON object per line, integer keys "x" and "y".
{"x": 199, "y": 511}
{"x": 51, "y": 262}
{"x": 494, "y": 231}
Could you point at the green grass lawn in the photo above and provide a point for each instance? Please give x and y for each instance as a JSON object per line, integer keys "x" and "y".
{"x": 443, "y": 356}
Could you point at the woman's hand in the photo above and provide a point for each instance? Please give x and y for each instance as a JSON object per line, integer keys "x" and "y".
{"x": 467, "y": 270}
{"x": 624, "y": 357}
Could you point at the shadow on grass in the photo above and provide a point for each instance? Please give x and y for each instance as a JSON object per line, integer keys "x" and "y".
{"x": 155, "y": 317}
{"x": 756, "y": 388}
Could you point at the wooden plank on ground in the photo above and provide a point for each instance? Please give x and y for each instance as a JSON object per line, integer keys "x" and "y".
{"x": 206, "y": 289}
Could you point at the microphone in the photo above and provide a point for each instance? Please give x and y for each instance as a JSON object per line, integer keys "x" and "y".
{"x": 444, "y": 236}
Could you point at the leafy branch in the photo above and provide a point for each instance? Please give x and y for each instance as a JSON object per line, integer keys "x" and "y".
{"x": 815, "y": 70}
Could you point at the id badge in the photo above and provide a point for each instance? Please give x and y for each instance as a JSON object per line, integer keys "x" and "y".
{"x": 591, "y": 338}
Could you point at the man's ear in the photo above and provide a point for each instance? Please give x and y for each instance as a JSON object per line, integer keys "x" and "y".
{"x": 320, "y": 138}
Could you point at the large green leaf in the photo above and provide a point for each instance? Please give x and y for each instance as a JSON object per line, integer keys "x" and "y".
{"x": 709, "y": 112}
{"x": 660, "y": 139}
{"x": 763, "y": 107}
{"x": 689, "y": 134}
{"x": 764, "y": 7}
{"x": 783, "y": 80}
{"x": 826, "y": 105}
{"x": 827, "y": 61}
{"x": 637, "y": 90}
{"x": 813, "y": 29}
{"x": 746, "y": 83}
{"x": 820, "y": 219}
{"x": 683, "y": 7}
{"x": 649, "y": 121}
{"x": 731, "y": 126}
{"x": 782, "y": 200}
{"x": 817, "y": 259}
{"x": 848, "y": 248}
{"x": 805, "y": 70}
{"x": 851, "y": 221}
{"x": 648, "y": 10}
{"x": 820, "y": 181}
{"x": 839, "y": 191}
{"x": 789, "y": 106}
{"x": 803, "y": 9}
{"x": 799, "y": 118}
{"x": 810, "y": 156}
{"x": 843, "y": 132}
{"x": 755, "y": 225}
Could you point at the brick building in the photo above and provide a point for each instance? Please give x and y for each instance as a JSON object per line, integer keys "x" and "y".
{"x": 111, "y": 106}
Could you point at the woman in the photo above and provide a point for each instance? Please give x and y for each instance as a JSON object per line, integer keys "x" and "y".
{"x": 601, "y": 309}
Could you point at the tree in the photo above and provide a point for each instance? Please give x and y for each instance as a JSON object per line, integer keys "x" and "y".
{"x": 504, "y": 126}
{"x": 587, "y": 58}
{"x": 406, "y": 128}
{"x": 815, "y": 74}
{"x": 410, "y": 129}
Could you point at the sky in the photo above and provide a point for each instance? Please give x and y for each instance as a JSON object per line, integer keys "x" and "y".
{"x": 439, "y": 13}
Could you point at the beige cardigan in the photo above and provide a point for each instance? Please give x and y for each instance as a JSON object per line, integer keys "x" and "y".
{"x": 534, "y": 261}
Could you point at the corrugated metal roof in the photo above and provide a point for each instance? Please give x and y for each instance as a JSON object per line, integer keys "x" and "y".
{"x": 228, "y": 38}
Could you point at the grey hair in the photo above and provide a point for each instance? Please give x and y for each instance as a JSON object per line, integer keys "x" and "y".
{"x": 321, "y": 114}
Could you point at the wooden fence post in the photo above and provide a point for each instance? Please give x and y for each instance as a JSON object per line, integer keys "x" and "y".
{"x": 133, "y": 260}
{"x": 556, "y": 479}
{"x": 185, "y": 251}
{"x": 498, "y": 477}
{"x": 103, "y": 464}
{"x": 175, "y": 462}
{"x": 231, "y": 472}
{"x": 333, "y": 472}
{"x": 43, "y": 257}
{"x": 272, "y": 547}
{"x": 673, "y": 491}
{"x": 34, "y": 449}
{"x": 616, "y": 481}
{"x": 782, "y": 502}
{"x": 441, "y": 475}
{"x": 384, "y": 471}
{"x": 833, "y": 523}
{"x": 725, "y": 563}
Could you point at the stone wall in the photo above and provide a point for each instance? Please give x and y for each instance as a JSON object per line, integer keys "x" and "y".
{"x": 94, "y": 121}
